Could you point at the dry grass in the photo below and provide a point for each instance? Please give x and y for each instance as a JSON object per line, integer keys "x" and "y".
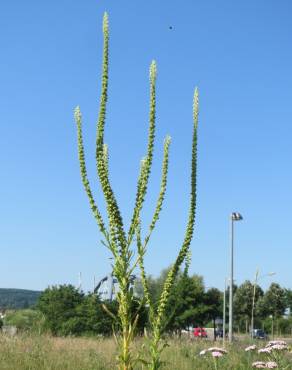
{"x": 42, "y": 352}
{"x": 25, "y": 352}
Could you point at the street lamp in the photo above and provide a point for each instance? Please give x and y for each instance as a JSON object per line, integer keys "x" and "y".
{"x": 235, "y": 216}
{"x": 257, "y": 278}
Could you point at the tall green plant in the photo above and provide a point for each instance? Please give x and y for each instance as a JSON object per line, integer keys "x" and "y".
{"x": 116, "y": 238}
{"x": 157, "y": 316}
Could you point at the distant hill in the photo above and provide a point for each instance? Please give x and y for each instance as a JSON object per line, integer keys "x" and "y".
{"x": 18, "y": 298}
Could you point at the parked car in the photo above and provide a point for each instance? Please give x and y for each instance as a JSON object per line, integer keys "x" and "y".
{"x": 259, "y": 334}
{"x": 219, "y": 333}
{"x": 200, "y": 333}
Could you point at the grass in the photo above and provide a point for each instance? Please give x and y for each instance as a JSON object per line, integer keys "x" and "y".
{"x": 47, "y": 353}
{"x": 30, "y": 352}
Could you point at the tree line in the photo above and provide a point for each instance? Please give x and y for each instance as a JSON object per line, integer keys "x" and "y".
{"x": 272, "y": 309}
{"x": 17, "y": 298}
{"x": 65, "y": 310}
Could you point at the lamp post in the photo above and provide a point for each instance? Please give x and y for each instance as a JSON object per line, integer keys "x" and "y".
{"x": 235, "y": 216}
{"x": 257, "y": 278}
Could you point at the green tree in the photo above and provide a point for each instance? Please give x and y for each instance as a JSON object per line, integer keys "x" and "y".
{"x": 272, "y": 307}
{"x": 274, "y": 301}
{"x": 288, "y": 298}
{"x": 243, "y": 301}
{"x": 58, "y": 304}
{"x": 70, "y": 312}
{"x": 156, "y": 284}
{"x": 90, "y": 317}
{"x": 186, "y": 304}
{"x": 213, "y": 301}
{"x": 18, "y": 298}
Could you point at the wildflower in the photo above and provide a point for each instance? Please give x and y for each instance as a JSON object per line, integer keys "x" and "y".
{"x": 215, "y": 352}
{"x": 276, "y": 342}
{"x": 265, "y": 365}
{"x": 250, "y": 348}
{"x": 265, "y": 350}
{"x": 271, "y": 365}
{"x": 259, "y": 365}
{"x": 217, "y": 349}
{"x": 279, "y": 347}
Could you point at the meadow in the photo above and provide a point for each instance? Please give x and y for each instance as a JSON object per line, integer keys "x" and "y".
{"x": 33, "y": 352}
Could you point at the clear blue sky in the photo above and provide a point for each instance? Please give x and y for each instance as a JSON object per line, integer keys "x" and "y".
{"x": 238, "y": 54}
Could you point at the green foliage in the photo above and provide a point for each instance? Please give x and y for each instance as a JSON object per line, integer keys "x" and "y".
{"x": 116, "y": 238}
{"x": 155, "y": 285}
{"x": 243, "y": 300}
{"x": 214, "y": 301}
{"x": 186, "y": 304}
{"x": 18, "y": 298}
{"x": 89, "y": 318}
{"x": 92, "y": 317}
{"x": 58, "y": 304}
{"x": 214, "y": 306}
{"x": 279, "y": 326}
{"x": 273, "y": 302}
{"x": 284, "y": 326}
{"x": 67, "y": 311}
{"x": 288, "y": 299}
{"x": 26, "y": 320}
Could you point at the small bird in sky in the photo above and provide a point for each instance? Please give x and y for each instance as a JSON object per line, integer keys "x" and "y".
{"x": 170, "y": 27}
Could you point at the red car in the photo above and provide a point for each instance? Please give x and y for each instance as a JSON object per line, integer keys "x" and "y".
{"x": 200, "y": 333}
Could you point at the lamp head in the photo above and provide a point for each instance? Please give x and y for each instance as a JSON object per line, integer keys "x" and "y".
{"x": 235, "y": 216}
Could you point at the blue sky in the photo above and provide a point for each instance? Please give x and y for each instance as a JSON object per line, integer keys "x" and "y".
{"x": 238, "y": 54}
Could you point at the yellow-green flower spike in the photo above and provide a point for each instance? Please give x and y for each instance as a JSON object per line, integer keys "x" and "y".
{"x": 105, "y": 27}
{"x": 116, "y": 239}
{"x": 153, "y": 72}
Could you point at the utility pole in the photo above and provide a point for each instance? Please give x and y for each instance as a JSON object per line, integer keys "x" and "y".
{"x": 235, "y": 216}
